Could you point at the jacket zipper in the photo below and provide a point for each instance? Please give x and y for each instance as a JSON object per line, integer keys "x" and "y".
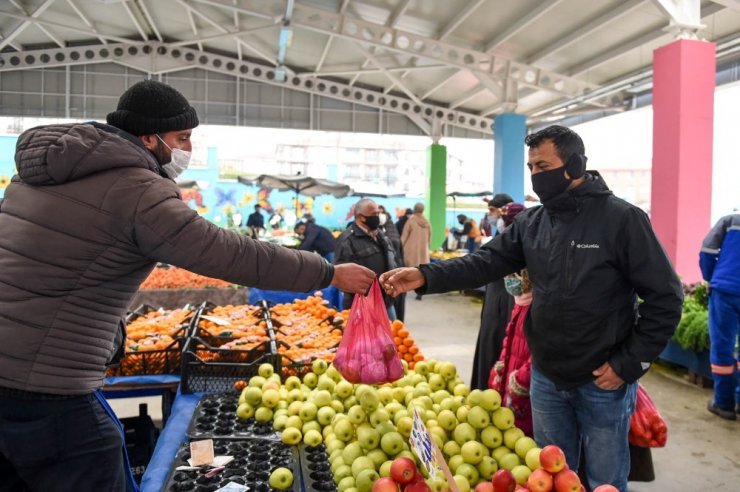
{"x": 569, "y": 267}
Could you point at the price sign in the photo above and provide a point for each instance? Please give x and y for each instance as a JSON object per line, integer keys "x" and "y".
{"x": 428, "y": 452}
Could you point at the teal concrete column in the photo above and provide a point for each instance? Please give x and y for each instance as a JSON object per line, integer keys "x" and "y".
{"x": 436, "y": 196}
{"x": 509, "y": 130}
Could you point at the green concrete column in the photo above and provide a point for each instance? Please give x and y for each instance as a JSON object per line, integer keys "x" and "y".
{"x": 436, "y": 195}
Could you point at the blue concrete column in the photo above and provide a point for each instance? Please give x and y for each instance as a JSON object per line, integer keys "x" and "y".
{"x": 509, "y": 130}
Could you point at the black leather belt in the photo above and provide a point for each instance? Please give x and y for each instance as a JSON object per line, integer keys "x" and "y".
{"x": 17, "y": 394}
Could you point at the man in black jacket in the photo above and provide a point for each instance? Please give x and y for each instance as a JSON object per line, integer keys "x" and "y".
{"x": 365, "y": 244}
{"x": 589, "y": 255}
{"x": 316, "y": 238}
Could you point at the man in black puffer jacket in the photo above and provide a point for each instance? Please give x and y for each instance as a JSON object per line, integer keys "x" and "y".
{"x": 589, "y": 256}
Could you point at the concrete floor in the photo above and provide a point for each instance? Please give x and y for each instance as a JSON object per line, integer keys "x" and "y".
{"x": 703, "y": 451}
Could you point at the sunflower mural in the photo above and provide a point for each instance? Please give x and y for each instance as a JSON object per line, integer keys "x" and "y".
{"x": 247, "y": 198}
{"x": 4, "y": 182}
{"x": 328, "y": 208}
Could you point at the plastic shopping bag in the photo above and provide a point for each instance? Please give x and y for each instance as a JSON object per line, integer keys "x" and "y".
{"x": 367, "y": 353}
{"x": 647, "y": 428}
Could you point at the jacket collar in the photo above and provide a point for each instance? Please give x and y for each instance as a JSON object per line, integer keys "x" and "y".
{"x": 570, "y": 200}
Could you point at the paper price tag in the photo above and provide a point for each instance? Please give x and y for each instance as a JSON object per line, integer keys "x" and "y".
{"x": 431, "y": 457}
{"x": 201, "y": 452}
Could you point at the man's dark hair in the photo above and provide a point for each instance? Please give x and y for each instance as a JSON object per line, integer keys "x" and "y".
{"x": 566, "y": 141}
{"x": 257, "y": 206}
{"x": 299, "y": 224}
{"x": 462, "y": 217}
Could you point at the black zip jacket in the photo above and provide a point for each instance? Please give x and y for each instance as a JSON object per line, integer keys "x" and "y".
{"x": 589, "y": 256}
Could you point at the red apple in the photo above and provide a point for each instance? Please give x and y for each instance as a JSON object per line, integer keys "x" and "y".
{"x": 503, "y": 481}
{"x": 540, "y": 481}
{"x": 484, "y": 487}
{"x": 521, "y": 488}
{"x": 385, "y": 484}
{"x": 417, "y": 486}
{"x": 567, "y": 481}
{"x": 403, "y": 470}
{"x": 552, "y": 459}
{"x": 606, "y": 488}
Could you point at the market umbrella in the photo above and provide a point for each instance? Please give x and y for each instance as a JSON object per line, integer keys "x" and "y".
{"x": 188, "y": 183}
{"x": 374, "y": 190}
{"x": 303, "y": 185}
{"x": 455, "y": 194}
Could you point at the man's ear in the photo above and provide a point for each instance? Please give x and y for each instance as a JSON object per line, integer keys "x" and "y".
{"x": 150, "y": 141}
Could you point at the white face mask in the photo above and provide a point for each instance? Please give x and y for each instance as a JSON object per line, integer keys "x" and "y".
{"x": 500, "y": 225}
{"x": 382, "y": 219}
{"x": 179, "y": 161}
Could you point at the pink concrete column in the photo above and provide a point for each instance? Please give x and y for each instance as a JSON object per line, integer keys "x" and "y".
{"x": 683, "y": 112}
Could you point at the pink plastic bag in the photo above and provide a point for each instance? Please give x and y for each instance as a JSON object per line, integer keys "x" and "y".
{"x": 367, "y": 353}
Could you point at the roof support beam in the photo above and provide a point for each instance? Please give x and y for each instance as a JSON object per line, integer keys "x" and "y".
{"x": 730, "y": 4}
{"x": 595, "y": 23}
{"x": 92, "y": 34}
{"x": 84, "y": 18}
{"x": 520, "y": 24}
{"x": 475, "y": 91}
{"x": 440, "y": 84}
{"x": 8, "y": 38}
{"x": 131, "y": 14}
{"x": 685, "y": 16}
{"x": 367, "y": 71}
{"x": 398, "y": 13}
{"x": 466, "y": 12}
{"x": 150, "y": 20}
{"x": 391, "y": 76}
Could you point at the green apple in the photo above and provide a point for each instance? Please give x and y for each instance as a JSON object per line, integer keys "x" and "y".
{"x": 385, "y": 427}
{"x": 492, "y": 437}
{"x": 334, "y": 374}
{"x": 295, "y": 395}
{"x": 292, "y": 382}
{"x": 462, "y": 483}
{"x": 446, "y": 369}
{"x": 487, "y": 467}
{"x": 462, "y": 413}
{"x": 511, "y": 436}
{"x": 311, "y": 380}
{"x": 436, "y": 430}
{"x": 325, "y": 415}
{"x": 473, "y": 452}
{"x": 270, "y": 398}
{"x": 295, "y": 408}
{"x": 346, "y": 484}
{"x": 344, "y": 430}
{"x": 356, "y": 415}
{"x": 312, "y": 438}
{"x": 523, "y": 445}
{"x": 351, "y": 452}
{"x": 308, "y": 411}
{"x": 451, "y": 448}
{"x": 337, "y": 462}
{"x": 455, "y": 461}
{"x": 491, "y": 400}
{"x": 385, "y": 395}
{"x": 378, "y": 457}
{"x": 400, "y": 414}
{"x": 509, "y": 461}
{"x": 368, "y": 437}
{"x": 252, "y": 395}
{"x": 369, "y": 400}
{"x": 281, "y": 478}
{"x": 474, "y": 398}
{"x": 503, "y": 418}
{"x": 257, "y": 381}
{"x": 399, "y": 393}
{"x": 322, "y": 398}
{"x": 464, "y": 433}
{"x": 468, "y": 471}
{"x": 385, "y": 469}
{"x": 278, "y": 421}
{"x": 294, "y": 421}
{"x": 350, "y": 401}
{"x": 521, "y": 474}
{"x": 335, "y": 445}
{"x": 437, "y": 382}
{"x": 404, "y": 426}
{"x": 319, "y": 366}
{"x": 461, "y": 389}
{"x": 342, "y": 472}
{"x": 499, "y": 453}
{"x": 361, "y": 463}
{"x": 337, "y": 406}
{"x": 422, "y": 368}
{"x": 478, "y": 417}
{"x": 343, "y": 389}
{"x": 447, "y": 420}
{"x": 263, "y": 414}
{"x": 265, "y": 370}
{"x": 379, "y": 416}
{"x": 533, "y": 458}
{"x": 440, "y": 395}
{"x": 326, "y": 383}
{"x": 364, "y": 481}
{"x": 245, "y": 411}
{"x": 291, "y": 436}
{"x": 392, "y": 443}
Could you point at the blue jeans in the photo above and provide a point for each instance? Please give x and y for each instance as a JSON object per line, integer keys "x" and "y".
{"x": 724, "y": 329}
{"x": 590, "y": 416}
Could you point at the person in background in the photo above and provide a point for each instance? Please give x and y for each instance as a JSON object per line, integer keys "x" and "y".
{"x": 494, "y": 318}
{"x": 365, "y": 244}
{"x": 92, "y": 210}
{"x": 416, "y": 239}
{"x": 470, "y": 232}
{"x": 256, "y": 221}
{"x": 316, "y": 238}
{"x": 492, "y": 222}
{"x": 401, "y": 222}
{"x": 720, "y": 266}
{"x": 590, "y": 256}
{"x": 510, "y": 376}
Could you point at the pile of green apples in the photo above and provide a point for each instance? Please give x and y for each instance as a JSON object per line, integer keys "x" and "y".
{"x": 364, "y": 428}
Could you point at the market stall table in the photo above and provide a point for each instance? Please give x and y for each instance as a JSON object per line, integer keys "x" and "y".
{"x": 164, "y": 385}
{"x": 331, "y": 294}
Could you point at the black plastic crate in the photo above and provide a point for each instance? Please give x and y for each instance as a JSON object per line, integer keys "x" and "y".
{"x": 141, "y": 437}
{"x": 254, "y": 460}
{"x": 215, "y": 370}
{"x": 153, "y": 362}
{"x": 215, "y": 417}
{"x": 315, "y": 469}
{"x": 224, "y": 336}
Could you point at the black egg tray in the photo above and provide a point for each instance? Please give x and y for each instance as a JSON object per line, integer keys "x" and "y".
{"x": 215, "y": 417}
{"x": 316, "y": 470}
{"x": 254, "y": 460}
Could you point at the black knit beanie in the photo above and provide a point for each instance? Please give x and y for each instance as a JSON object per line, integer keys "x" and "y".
{"x": 150, "y": 107}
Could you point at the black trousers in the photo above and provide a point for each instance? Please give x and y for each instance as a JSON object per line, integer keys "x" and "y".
{"x": 495, "y": 315}
{"x": 58, "y": 445}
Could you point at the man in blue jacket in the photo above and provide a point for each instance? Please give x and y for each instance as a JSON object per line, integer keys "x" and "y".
{"x": 316, "y": 238}
{"x": 589, "y": 255}
{"x": 720, "y": 266}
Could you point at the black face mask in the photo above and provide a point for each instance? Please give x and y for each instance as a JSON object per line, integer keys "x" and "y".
{"x": 372, "y": 222}
{"x": 549, "y": 184}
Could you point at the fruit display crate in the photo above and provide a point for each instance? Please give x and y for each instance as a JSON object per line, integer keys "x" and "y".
{"x": 316, "y": 470}
{"x": 215, "y": 417}
{"x": 254, "y": 460}
{"x": 218, "y": 331}
{"x": 165, "y": 360}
